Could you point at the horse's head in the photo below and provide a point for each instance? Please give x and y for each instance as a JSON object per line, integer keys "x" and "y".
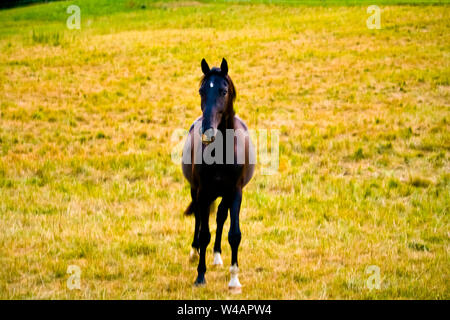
{"x": 217, "y": 96}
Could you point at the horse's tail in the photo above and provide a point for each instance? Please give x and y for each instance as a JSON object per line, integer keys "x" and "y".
{"x": 190, "y": 209}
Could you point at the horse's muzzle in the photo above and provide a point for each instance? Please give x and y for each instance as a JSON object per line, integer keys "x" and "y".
{"x": 208, "y": 136}
{"x": 207, "y": 139}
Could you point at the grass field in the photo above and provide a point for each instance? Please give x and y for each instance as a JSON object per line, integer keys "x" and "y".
{"x": 86, "y": 121}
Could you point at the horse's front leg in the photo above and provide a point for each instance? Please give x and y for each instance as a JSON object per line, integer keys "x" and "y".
{"x": 194, "y": 254}
{"x": 234, "y": 238}
{"x": 222, "y": 213}
{"x": 204, "y": 238}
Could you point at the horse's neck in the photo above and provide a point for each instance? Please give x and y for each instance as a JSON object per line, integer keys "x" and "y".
{"x": 227, "y": 123}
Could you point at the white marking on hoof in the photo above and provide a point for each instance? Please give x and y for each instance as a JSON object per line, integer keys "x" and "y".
{"x": 234, "y": 286}
{"x": 217, "y": 259}
{"x": 193, "y": 255}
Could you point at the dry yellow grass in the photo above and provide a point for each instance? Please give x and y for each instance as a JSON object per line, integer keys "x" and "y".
{"x": 85, "y": 141}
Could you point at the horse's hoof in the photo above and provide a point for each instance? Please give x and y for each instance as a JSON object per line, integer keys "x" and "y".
{"x": 199, "y": 284}
{"x": 234, "y": 286}
{"x": 200, "y": 281}
{"x": 235, "y": 290}
{"x": 193, "y": 255}
{"x": 217, "y": 259}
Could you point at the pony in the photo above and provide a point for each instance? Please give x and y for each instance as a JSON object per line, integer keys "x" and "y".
{"x": 216, "y": 136}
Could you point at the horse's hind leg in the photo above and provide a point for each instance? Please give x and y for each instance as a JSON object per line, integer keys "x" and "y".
{"x": 222, "y": 214}
{"x": 234, "y": 238}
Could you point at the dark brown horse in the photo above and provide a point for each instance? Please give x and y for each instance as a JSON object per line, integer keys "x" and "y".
{"x": 218, "y": 161}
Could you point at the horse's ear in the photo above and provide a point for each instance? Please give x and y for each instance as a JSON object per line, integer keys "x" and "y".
{"x": 205, "y": 67}
{"x": 224, "y": 67}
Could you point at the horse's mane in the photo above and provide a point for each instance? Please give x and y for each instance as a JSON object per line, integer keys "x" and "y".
{"x": 229, "y": 114}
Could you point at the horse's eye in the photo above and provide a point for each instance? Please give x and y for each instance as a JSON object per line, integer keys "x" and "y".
{"x": 224, "y": 92}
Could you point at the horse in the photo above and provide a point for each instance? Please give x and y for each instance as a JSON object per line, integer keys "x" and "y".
{"x": 217, "y": 135}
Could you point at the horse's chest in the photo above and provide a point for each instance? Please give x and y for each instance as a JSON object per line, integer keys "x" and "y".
{"x": 216, "y": 176}
{"x": 219, "y": 177}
